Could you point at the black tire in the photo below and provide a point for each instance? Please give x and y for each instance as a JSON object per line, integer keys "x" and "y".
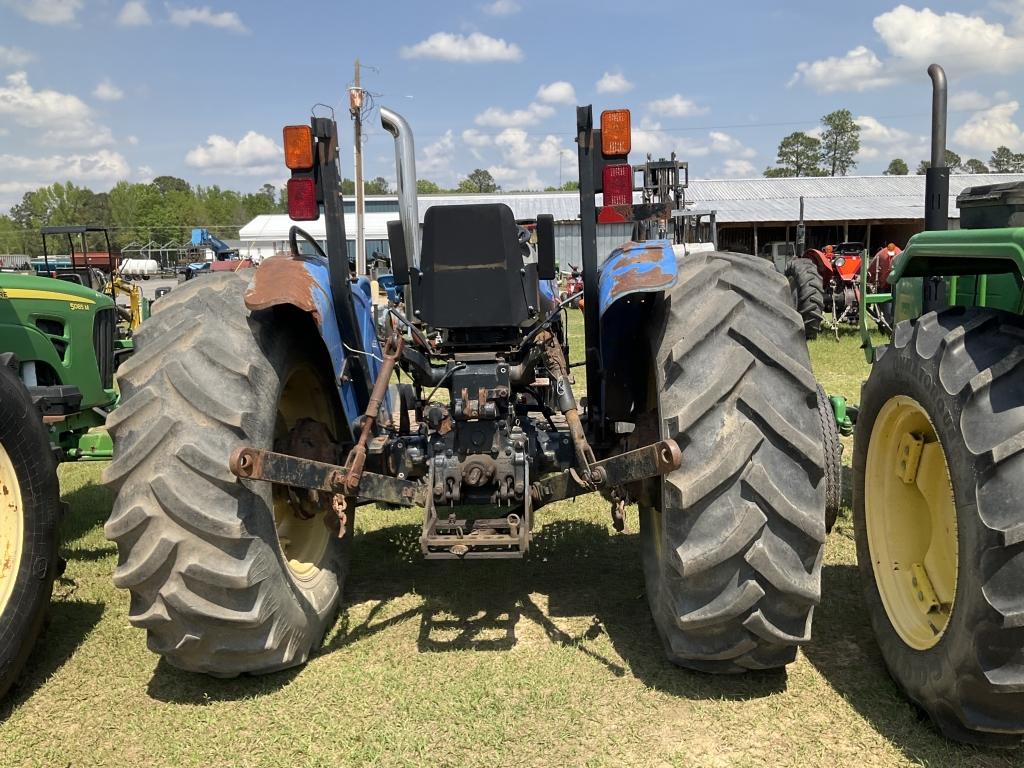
{"x": 733, "y": 548}
{"x": 34, "y": 507}
{"x": 963, "y": 367}
{"x": 807, "y": 294}
{"x": 197, "y": 548}
{"x": 833, "y": 461}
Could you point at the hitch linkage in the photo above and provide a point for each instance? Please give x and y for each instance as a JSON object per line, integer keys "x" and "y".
{"x": 253, "y": 464}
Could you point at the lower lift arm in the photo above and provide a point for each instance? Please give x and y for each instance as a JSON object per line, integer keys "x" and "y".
{"x": 252, "y": 464}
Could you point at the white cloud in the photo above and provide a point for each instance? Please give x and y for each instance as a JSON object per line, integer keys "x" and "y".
{"x": 474, "y": 138}
{"x": 229, "y": 21}
{"x": 676, "y": 106}
{"x": 877, "y": 139}
{"x": 144, "y": 174}
{"x": 558, "y": 92}
{"x": 968, "y": 101}
{"x": 613, "y": 82}
{"x": 476, "y": 141}
{"x": 103, "y": 166}
{"x": 914, "y": 38}
{"x": 14, "y": 57}
{"x": 515, "y": 178}
{"x": 724, "y": 144}
{"x": 436, "y": 159}
{"x": 859, "y": 70}
{"x": 499, "y": 118}
{"x": 738, "y": 169}
{"x": 107, "y": 91}
{"x": 962, "y": 42}
{"x": 59, "y": 118}
{"x": 46, "y": 11}
{"x": 994, "y": 127}
{"x": 134, "y": 14}
{"x": 252, "y": 155}
{"x": 503, "y": 8}
{"x": 874, "y": 132}
{"x": 475, "y": 47}
{"x": 133, "y": 140}
{"x": 650, "y": 138}
{"x": 518, "y": 151}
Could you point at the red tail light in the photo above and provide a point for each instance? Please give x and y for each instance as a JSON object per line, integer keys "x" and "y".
{"x": 302, "y": 204}
{"x": 618, "y": 184}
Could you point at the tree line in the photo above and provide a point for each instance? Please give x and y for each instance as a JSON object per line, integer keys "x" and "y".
{"x": 167, "y": 208}
{"x": 833, "y": 153}
{"x": 164, "y": 210}
{"x": 1002, "y": 160}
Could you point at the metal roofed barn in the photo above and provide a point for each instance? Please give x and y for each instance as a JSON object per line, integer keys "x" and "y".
{"x": 750, "y": 212}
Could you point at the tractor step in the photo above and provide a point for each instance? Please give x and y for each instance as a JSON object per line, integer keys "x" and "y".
{"x": 483, "y": 538}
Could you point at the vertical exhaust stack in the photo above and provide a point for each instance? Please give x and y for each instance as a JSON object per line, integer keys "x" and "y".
{"x": 936, "y": 181}
{"x": 405, "y": 167}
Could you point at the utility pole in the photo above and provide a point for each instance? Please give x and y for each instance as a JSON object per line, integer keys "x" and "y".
{"x": 355, "y": 108}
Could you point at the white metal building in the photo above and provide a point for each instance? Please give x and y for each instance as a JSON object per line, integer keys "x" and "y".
{"x": 750, "y": 212}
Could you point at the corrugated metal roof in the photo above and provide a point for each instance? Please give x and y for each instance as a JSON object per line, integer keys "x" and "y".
{"x": 762, "y": 200}
{"x": 827, "y": 198}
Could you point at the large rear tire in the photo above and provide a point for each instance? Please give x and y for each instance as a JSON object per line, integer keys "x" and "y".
{"x": 807, "y": 293}
{"x": 733, "y": 545}
{"x": 938, "y": 479}
{"x": 29, "y": 520}
{"x": 226, "y": 576}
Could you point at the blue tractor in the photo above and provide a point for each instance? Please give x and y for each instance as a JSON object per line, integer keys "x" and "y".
{"x": 260, "y": 411}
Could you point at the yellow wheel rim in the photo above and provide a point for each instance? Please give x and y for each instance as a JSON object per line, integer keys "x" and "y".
{"x": 910, "y": 519}
{"x": 304, "y": 540}
{"x": 12, "y": 528}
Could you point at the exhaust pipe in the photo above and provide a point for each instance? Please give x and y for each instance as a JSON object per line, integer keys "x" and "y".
{"x": 936, "y": 180}
{"x": 405, "y": 166}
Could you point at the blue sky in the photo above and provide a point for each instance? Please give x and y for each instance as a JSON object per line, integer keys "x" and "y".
{"x": 99, "y": 90}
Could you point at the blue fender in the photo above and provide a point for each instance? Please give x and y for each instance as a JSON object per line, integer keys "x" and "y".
{"x": 632, "y": 269}
{"x": 643, "y": 267}
{"x": 304, "y": 282}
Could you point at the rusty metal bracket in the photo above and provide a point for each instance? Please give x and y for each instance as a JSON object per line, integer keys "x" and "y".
{"x": 650, "y": 461}
{"x": 253, "y": 464}
{"x": 357, "y": 456}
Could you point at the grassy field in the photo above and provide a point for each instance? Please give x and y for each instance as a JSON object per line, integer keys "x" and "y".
{"x": 551, "y": 661}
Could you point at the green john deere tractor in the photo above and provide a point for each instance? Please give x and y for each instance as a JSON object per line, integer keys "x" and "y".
{"x": 938, "y": 462}
{"x": 67, "y": 336}
{"x": 63, "y": 337}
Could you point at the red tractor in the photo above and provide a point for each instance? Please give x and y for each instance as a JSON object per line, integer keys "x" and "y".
{"x": 573, "y": 287}
{"x": 839, "y": 267}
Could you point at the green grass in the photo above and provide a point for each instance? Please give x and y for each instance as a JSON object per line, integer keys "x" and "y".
{"x": 551, "y": 661}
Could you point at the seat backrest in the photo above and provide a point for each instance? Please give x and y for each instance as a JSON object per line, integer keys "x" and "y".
{"x": 472, "y": 273}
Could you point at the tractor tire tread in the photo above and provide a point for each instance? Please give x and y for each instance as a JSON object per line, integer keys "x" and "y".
{"x": 808, "y": 294}
{"x": 197, "y": 547}
{"x": 733, "y": 559}
{"x": 955, "y": 363}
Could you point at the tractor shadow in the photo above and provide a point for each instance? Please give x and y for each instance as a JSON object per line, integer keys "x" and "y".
{"x": 845, "y": 653}
{"x": 67, "y": 625}
{"x": 88, "y": 509}
{"x": 580, "y": 584}
{"x": 175, "y": 686}
{"x": 69, "y": 620}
